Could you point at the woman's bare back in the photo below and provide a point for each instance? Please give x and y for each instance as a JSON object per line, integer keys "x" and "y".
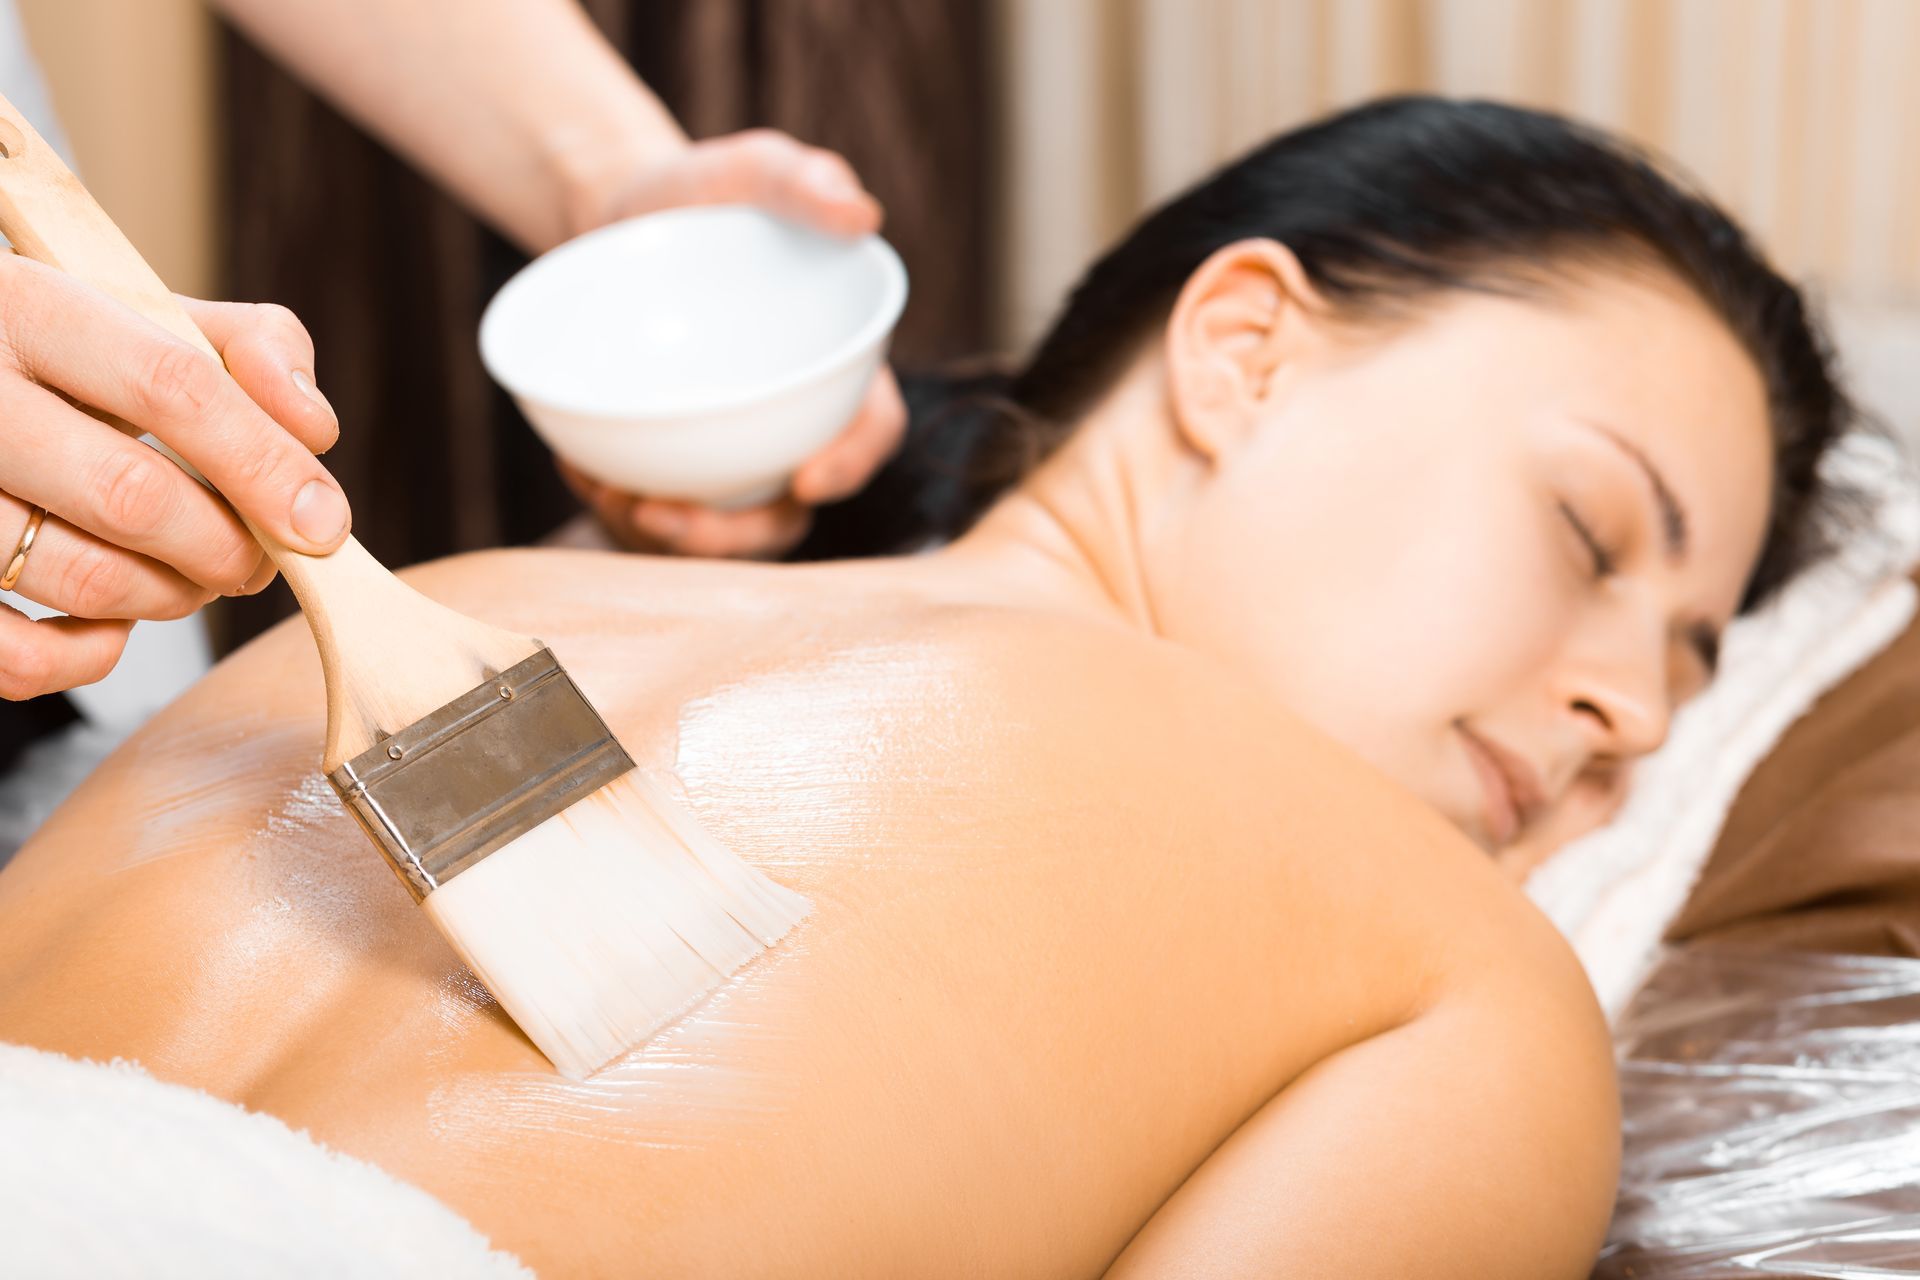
{"x": 1083, "y": 906}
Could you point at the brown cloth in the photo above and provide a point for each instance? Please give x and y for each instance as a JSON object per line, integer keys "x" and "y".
{"x": 1821, "y": 851}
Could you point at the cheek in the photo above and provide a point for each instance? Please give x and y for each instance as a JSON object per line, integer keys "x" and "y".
{"x": 1380, "y": 603}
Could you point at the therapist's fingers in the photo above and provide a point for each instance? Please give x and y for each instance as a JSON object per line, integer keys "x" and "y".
{"x": 756, "y": 533}
{"x": 845, "y": 465}
{"x": 613, "y": 509}
{"x": 66, "y": 335}
{"x": 117, "y": 489}
{"x": 71, "y": 570}
{"x": 270, "y": 354}
{"x": 56, "y": 653}
{"x": 762, "y": 167}
{"x": 660, "y": 526}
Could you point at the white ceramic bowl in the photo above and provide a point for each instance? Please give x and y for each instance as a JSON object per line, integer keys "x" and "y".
{"x": 701, "y": 353}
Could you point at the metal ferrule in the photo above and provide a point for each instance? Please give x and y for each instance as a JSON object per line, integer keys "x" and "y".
{"x": 480, "y": 772}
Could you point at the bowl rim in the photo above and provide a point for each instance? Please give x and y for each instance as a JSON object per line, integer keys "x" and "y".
{"x": 893, "y": 301}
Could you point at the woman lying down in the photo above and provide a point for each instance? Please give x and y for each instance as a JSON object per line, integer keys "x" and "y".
{"x": 1374, "y": 491}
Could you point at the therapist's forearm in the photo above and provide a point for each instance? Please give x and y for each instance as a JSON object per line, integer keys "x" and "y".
{"x": 520, "y": 108}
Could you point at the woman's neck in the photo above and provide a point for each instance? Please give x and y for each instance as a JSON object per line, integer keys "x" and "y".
{"x": 1071, "y": 537}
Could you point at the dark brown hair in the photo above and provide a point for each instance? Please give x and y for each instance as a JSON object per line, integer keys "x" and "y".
{"x": 1382, "y": 205}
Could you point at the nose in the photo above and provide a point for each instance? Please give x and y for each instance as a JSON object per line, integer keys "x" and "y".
{"x": 1618, "y": 688}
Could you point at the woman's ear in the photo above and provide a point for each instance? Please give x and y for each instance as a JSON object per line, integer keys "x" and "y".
{"x": 1238, "y": 319}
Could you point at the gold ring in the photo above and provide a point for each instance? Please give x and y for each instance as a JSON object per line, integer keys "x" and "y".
{"x": 14, "y": 566}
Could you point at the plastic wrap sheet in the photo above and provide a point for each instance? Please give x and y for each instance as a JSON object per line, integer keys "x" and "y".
{"x": 1772, "y": 1108}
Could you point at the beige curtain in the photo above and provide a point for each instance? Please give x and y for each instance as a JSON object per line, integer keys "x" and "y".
{"x": 132, "y": 81}
{"x": 1801, "y": 115}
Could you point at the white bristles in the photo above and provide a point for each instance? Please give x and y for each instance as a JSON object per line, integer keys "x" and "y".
{"x": 608, "y": 919}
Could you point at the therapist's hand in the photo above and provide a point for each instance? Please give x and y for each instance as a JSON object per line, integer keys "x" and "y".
{"x": 129, "y": 535}
{"x": 811, "y": 186}
{"x": 665, "y": 527}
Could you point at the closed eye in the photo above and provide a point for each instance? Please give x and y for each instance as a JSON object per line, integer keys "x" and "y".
{"x": 1603, "y": 562}
{"x": 1705, "y": 640}
{"x": 1702, "y": 637}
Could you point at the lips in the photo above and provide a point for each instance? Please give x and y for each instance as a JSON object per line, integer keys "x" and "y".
{"x": 1513, "y": 794}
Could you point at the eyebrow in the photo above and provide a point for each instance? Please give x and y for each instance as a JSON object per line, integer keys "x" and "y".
{"x": 1703, "y": 636}
{"x": 1673, "y": 517}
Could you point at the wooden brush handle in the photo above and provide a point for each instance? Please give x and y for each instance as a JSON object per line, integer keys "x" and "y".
{"x": 390, "y": 655}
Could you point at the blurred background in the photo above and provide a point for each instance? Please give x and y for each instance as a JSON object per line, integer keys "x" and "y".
{"x": 1009, "y": 141}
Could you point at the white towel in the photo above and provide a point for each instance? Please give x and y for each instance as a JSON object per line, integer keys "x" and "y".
{"x": 106, "y": 1172}
{"x": 1614, "y": 892}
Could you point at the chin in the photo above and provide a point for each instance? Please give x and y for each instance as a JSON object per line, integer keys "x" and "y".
{"x": 1460, "y": 803}
{"x": 1479, "y": 838}
{"x": 1441, "y": 785}
{"x": 1467, "y": 822}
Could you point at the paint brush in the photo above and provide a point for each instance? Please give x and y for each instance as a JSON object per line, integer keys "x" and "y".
{"x": 590, "y": 904}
